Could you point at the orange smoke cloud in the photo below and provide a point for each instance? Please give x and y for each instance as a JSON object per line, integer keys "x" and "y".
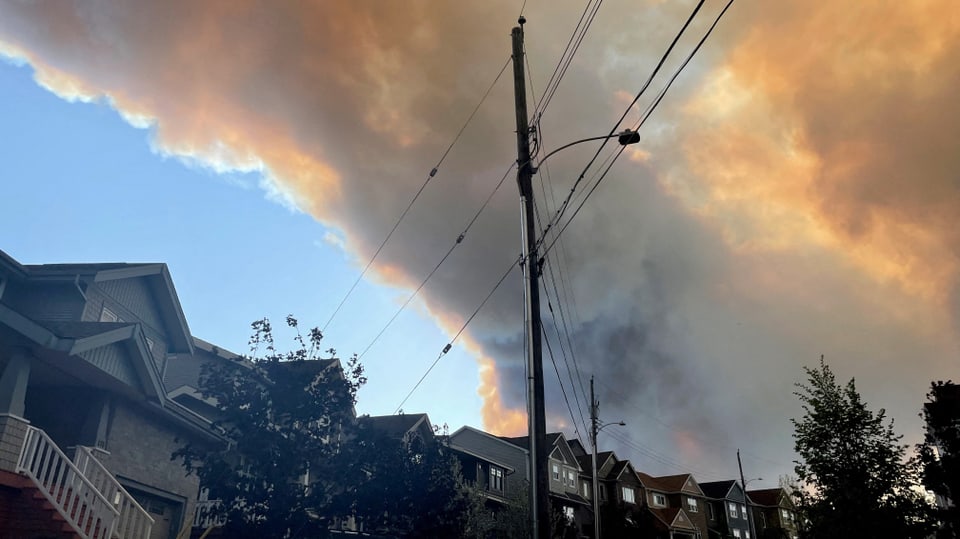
{"x": 497, "y": 418}
{"x": 833, "y": 128}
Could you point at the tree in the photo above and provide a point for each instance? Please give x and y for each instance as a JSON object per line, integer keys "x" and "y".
{"x": 940, "y": 453}
{"x": 855, "y": 481}
{"x": 284, "y": 416}
{"x": 408, "y": 487}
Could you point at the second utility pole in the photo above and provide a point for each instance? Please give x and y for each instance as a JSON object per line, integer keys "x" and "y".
{"x": 537, "y": 428}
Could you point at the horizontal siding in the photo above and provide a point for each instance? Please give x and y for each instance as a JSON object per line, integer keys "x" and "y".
{"x": 113, "y": 360}
{"x": 496, "y": 451}
{"x": 51, "y": 302}
{"x": 134, "y": 296}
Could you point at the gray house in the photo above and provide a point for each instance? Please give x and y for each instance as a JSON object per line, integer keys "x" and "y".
{"x": 726, "y": 510}
{"x": 86, "y": 425}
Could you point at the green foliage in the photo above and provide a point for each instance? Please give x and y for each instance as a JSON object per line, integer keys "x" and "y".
{"x": 940, "y": 452}
{"x": 284, "y": 415}
{"x": 856, "y": 482}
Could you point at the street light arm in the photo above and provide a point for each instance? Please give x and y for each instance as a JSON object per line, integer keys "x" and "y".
{"x": 626, "y": 137}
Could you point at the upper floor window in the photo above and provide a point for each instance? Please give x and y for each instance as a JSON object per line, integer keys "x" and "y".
{"x": 733, "y": 509}
{"x": 659, "y": 499}
{"x": 736, "y": 533}
{"x": 785, "y": 514}
{"x": 711, "y": 511}
{"x": 496, "y": 478}
{"x": 743, "y": 511}
{"x": 586, "y": 490}
{"x": 628, "y": 495}
{"x": 692, "y": 505}
{"x": 106, "y": 315}
{"x": 746, "y": 534}
{"x": 763, "y": 519}
{"x": 571, "y": 478}
{"x": 556, "y": 472}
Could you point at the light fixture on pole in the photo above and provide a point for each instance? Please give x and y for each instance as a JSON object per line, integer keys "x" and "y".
{"x": 594, "y": 430}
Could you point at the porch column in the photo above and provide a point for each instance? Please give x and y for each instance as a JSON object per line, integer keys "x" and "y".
{"x": 13, "y": 391}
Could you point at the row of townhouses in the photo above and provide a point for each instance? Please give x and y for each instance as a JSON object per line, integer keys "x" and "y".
{"x": 99, "y": 386}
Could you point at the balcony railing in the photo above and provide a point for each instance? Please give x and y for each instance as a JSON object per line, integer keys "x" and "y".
{"x": 62, "y": 483}
{"x": 205, "y": 516}
{"x": 133, "y": 522}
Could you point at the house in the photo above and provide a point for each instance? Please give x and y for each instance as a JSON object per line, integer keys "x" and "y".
{"x": 620, "y": 491}
{"x": 726, "y": 506}
{"x": 494, "y": 465}
{"x": 564, "y": 480}
{"x": 86, "y": 425}
{"x": 677, "y": 503}
{"x": 774, "y": 514}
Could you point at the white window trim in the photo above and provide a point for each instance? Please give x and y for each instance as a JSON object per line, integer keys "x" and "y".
{"x": 692, "y": 505}
{"x": 661, "y": 502}
{"x": 628, "y": 495}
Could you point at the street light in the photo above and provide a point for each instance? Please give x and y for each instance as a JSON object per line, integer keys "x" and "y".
{"x": 594, "y": 430}
{"x": 625, "y": 138}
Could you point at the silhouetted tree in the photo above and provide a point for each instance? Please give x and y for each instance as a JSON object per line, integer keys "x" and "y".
{"x": 940, "y": 453}
{"x": 284, "y": 416}
{"x": 856, "y": 482}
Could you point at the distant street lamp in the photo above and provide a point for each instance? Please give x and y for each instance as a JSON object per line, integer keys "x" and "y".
{"x": 594, "y": 430}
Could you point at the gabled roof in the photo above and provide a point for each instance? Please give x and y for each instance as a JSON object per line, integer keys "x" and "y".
{"x": 397, "y": 426}
{"x": 499, "y": 439}
{"x": 524, "y": 441}
{"x": 158, "y": 276}
{"x": 769, "y": 497}
{"x": 671, "y": 484}
{"x": 673, "y": 518}
{"x": 717, "y": 489}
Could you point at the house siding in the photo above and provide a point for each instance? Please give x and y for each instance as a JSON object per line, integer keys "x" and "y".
{"x": 48, "y": 302}
{"x": 114, "y": 360}
{"x": 140, "y": 447}
{"x": 131, "y": 300}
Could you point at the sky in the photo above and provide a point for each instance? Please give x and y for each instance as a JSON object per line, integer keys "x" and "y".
{"x": 794, "y": 195}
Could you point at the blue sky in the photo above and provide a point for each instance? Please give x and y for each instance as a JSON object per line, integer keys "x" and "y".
{"x": 83, "y": 185}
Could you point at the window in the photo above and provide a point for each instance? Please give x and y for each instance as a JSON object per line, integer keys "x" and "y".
{"x": 628, "y": 495}
{"x": 743, "y": 511}
{"x": 660, "y": 500}
{"x": 556, "y": 472}
{"x": 571, "y": 478}
{"x": 736, "y": 533}
{"x": 711, "y": 511}
{"x": 785, "y": 514}
{"x": 746, "y": 533}
{"x": 733, "y": 509}
{"x": 692, "y": 505}
{"x": 603, "y": 492}
{"x": 568, "y": 512}
{"x": 586, "y": 490}
{"x": 496, "y": 478}
{"x": 106, "y": 315}
{"x": 763, "y": 520}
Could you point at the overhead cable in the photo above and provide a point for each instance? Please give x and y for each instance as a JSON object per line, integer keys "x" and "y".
{"x": 433, "y": 172}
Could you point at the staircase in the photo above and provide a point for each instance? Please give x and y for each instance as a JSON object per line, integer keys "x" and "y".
{"x": 80, "y": 494}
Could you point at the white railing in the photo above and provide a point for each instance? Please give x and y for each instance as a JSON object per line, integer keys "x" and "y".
{"x": 205, "y": 516}
{"x": 134, "y": 522}
{"x": 77, "y": 500}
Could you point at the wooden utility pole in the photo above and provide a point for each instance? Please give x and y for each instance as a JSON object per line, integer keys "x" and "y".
{"x": 746, "y": 499}
{"x": 594, "y": 421}
{"x": 537, "y": 428}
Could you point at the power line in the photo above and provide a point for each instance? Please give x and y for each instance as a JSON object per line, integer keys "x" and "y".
{"x": 563, "y": 391}
{"x": 460, "y": 331}
{"x": 456, "y": 242}
{"x": 647, "y": 113}
{"x": 433, "y": 172}
{"x": 661, "y": 458}
{"x": 563, "y": 206}
{"x": 566, "y": 57}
